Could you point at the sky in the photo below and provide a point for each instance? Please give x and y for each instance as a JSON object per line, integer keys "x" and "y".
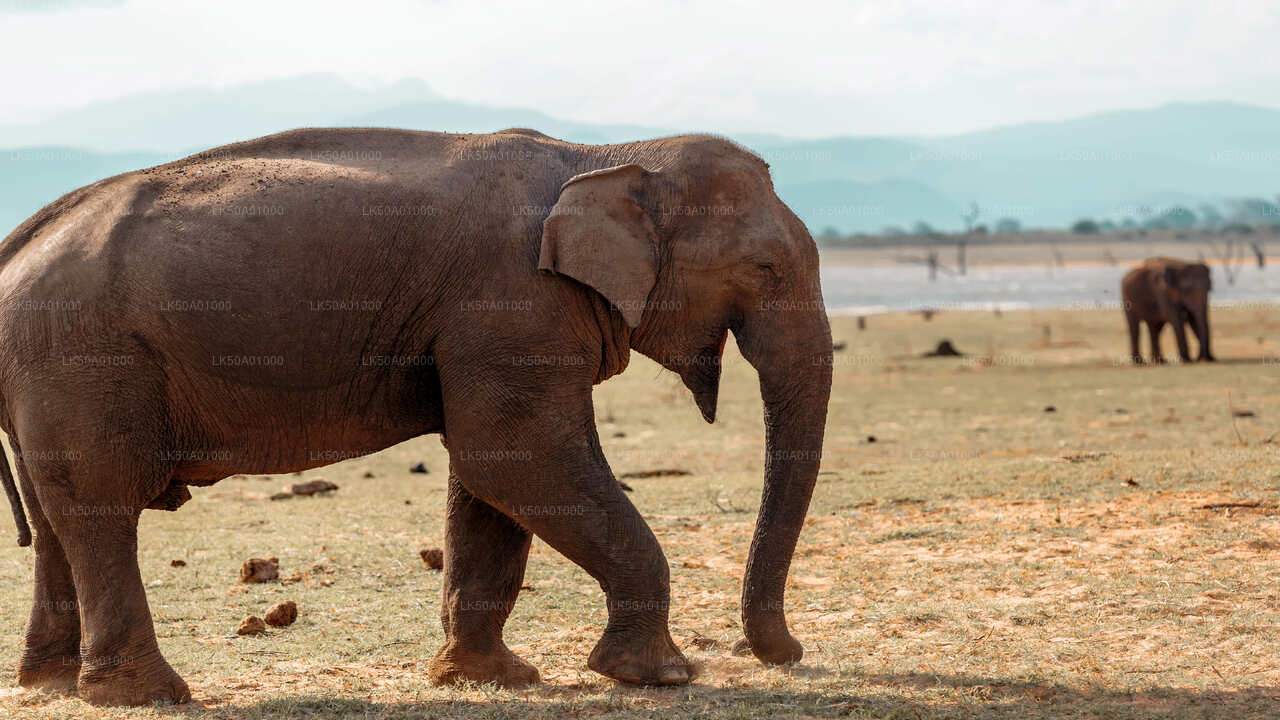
{"x": 803, "y": 69}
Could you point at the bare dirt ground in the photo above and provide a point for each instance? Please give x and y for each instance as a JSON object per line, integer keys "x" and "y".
{"x": 970, "y": 553}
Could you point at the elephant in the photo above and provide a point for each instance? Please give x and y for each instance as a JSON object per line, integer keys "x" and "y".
{"x": 273, "y": 305}
{"x": 1164, "y": 290}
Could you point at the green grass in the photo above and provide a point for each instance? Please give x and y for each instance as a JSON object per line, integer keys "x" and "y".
{"x": 981, "y": 558}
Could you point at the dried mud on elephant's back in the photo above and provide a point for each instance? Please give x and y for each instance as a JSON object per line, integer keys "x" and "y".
{"x": 983, "y": 558}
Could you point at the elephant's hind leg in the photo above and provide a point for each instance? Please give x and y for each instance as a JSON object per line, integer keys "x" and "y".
{"x": 94, "y": 469}
{"x": 51, "y": 653}
{"x": 485, "y": 557}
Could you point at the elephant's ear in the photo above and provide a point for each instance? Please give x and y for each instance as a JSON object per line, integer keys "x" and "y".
{"x": 1171, "y": 283}
{"x": 599, "y": 234}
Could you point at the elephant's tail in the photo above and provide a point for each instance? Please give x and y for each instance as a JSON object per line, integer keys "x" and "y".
{"x": 15, "y": 501}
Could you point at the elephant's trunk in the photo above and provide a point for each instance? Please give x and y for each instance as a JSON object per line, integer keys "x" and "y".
{"x": 790, "y": 347}
{"x": 1200, "y": 319}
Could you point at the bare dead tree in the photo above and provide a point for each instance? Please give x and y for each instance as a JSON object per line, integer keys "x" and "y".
{"x": 970, "y": 220}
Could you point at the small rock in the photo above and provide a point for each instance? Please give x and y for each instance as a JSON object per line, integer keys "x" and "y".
{"x": 1131, "y": 482}
{"x": 408, "y": 502}
{"x": 368, "y": 475}
{"x": 1050, "y": 409}
{"x": 252, "y": 625}
{"x": 419, "y": 469}
{"x": 314, "y": 487}
{"x": 1243, "y": 413}
{"x": 282, "y": 496}
{"x": 433, "y": 557}
{"x": 177, "y": 563}
{"x": 839, "y": 346}
{"x": 871, "y": 438}
{"x": 258, "y": 570}
{"x": 619, "y": 434}
{"x": 625, "y": 487}
{"x": 282, "y": 614}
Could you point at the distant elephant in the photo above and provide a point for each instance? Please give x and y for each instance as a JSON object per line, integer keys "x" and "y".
{"x": 272, "y": 305}
{"x": 1164, "y": 290}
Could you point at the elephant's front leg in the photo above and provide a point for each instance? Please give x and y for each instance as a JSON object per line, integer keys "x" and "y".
{"x": 485, "y": 557}
{"x": 51, "y": 653}
{"x": 539, "y": 461}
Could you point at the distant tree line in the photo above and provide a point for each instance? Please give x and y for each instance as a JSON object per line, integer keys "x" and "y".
{"x": 1240, "y": 216}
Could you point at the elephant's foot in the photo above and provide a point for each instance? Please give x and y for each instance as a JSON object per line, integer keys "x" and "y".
{"x": 1208, "y": 358}
{"x": 132, "y": 682}
{"x": 640, "y": 658}
{"x": 455, "y": 664}
{"x": 59, "y": 673}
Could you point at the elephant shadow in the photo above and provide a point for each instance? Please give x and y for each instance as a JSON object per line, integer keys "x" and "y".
{"x": 882, "y": 695}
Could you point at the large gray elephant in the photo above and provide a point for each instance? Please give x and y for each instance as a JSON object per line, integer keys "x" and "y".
{"x": 1164, "y": 291}
{"x": 269, "y": 306}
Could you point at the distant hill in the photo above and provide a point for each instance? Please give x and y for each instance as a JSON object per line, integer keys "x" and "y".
{"x": 1110, "y": 165}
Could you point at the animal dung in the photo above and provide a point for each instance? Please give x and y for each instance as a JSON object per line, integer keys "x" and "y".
{"x": 433, "y": 557}
{"x": 282, "y": 614}
{"x": 252, "y": 625}
{"x": 419, "y": 469}
{"x": 944, "y": 349}
{"x": 314, "y": 487}
{"x": 259, "y": 570}
{"x": 306, "y": 489}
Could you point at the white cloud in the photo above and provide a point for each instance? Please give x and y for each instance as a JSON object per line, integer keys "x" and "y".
{"x": 888, "y": 67}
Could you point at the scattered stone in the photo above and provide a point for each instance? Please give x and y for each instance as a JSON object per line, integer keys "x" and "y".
{"x": 659, "y": 473}
{"x": 286, "y": 495}
{"x": 282, "y": 614}
{"x": 944, "y": 349}
{"x": 368, "y": 475}
{"x": 259, "y": 570}
{"x": 625, "y": 487}
{"x": 314, "y": 487}
{"x": 1050, "y": 409}
{"x": 1131, "y": 482}
{"x": 177, "y": 563}
{"x": 839, "y": 346}
{"x": 419, "y": 469}
{"x": 1243, "y": 413}
{"x": 871, "y": 438}
{"x": 408, "y": 502}
{"x": 252, "y": 625}
{"x": 619, "y": 434}
{"x": 433, "y": 557}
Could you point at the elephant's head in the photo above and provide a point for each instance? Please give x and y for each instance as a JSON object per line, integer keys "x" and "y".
{"x": 689, "y": 242}
{"x": 1188, "y": 285}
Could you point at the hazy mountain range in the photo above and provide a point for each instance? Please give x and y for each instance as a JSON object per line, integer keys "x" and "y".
{"x": 1112, "y": 165}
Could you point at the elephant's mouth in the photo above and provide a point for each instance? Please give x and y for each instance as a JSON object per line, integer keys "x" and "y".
{"x": 701, "y": 374}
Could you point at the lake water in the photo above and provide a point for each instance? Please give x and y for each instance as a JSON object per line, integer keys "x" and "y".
{"x": 875, "y": 289}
